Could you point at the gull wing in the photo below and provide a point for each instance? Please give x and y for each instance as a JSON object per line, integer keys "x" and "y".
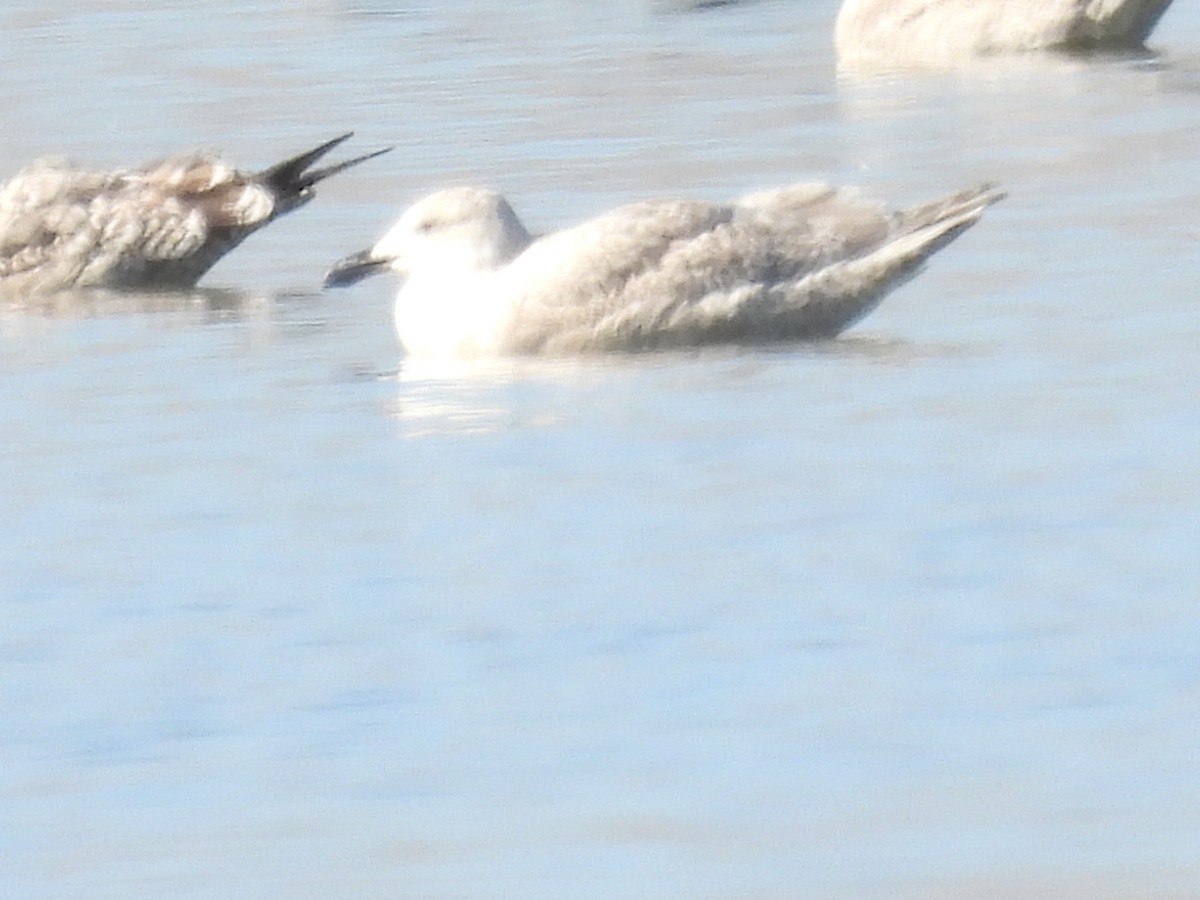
{"x": 567, "y": 281}
{"x": 800, "y": 262}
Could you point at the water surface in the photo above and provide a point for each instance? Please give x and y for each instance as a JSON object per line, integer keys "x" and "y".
{"x": 908, "y": 614}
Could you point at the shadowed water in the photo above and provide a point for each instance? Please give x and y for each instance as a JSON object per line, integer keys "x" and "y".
{"x": 907, "y": 614}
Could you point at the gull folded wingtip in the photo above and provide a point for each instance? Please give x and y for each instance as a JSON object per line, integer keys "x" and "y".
{"x": 293, "y": 173}
{"x": 321, "y": 174}
{"x": 288, "y": 170}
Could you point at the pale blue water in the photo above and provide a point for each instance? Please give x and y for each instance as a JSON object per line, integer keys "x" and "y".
{"x": 910, "y": 614}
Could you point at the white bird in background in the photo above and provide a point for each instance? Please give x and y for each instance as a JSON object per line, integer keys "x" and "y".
{"x": 873, "y": 33}
{"x": 159, "y": 226}
{"x": 793, "y": 263}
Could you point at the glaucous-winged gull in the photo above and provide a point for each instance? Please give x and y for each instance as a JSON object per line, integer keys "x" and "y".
{"x": 159, "y": 226}
{"x": 792, "y": 263}
{"x": 872, "y": 33}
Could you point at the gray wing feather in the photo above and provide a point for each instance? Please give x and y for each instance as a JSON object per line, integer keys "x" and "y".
{"x": 583, "y": 274}
{"x": 803, "y": 261}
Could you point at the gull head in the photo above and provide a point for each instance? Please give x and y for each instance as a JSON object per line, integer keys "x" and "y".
{"x": 457, "y": 230}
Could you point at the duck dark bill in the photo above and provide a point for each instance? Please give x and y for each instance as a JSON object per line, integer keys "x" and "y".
{"x": 354, "y": 268}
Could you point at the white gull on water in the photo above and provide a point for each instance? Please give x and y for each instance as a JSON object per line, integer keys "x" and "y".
{"x": 792, "y": 263}
{"x": 162, "y": 225}
{"x": 942, "y": 32}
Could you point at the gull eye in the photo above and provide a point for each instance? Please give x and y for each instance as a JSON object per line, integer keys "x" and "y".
{"x": 426, "y": 225}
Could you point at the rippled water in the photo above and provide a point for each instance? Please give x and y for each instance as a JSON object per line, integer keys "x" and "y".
{"x": 908, "y": 614}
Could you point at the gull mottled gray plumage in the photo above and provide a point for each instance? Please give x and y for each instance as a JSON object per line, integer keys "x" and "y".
{"x": 944, "y": 32}
{"x": 160, "y": 226}
{"x": 792, "y": 263}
